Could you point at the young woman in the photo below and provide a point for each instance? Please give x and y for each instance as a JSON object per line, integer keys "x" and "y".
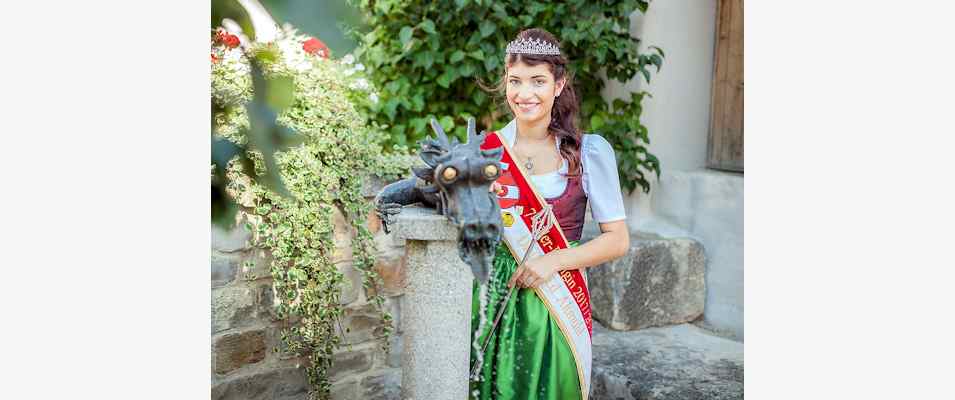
{"x": 533, "y": 353}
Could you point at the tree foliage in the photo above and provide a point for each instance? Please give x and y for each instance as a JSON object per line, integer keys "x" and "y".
{"x": 426, "y": 58}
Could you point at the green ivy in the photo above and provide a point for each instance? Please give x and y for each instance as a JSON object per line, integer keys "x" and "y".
{"x": 325, "y": 172}
{"x": 427, "y": 56}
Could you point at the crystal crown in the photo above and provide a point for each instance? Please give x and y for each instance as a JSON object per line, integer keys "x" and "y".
{"x": 532, "y": 46}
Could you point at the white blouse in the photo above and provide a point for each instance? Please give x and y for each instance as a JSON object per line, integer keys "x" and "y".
{"x": 600, "y": 179}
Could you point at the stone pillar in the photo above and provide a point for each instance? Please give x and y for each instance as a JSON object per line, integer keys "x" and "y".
{"x": 436, "y": 308}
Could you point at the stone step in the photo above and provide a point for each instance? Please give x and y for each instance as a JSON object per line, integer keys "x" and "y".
{"x": 679, "y": 362}
{"x": 659, "y": 282}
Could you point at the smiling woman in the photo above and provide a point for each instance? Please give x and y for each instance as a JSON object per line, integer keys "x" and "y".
{"x": 538, "y": 345}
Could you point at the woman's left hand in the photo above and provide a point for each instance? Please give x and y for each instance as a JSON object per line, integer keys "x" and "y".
{"x": 536, "y": 271}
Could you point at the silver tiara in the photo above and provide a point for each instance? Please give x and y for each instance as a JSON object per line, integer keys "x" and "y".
{"x": 532, "y": 46}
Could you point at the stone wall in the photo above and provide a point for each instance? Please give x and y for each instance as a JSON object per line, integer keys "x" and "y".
{"x": 247, "y": 357}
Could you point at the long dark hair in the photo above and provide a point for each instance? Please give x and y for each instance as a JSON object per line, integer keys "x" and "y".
{"x": 563, "y": 115}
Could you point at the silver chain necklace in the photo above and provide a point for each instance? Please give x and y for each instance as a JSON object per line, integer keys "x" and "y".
{"x": 529, "y": 160}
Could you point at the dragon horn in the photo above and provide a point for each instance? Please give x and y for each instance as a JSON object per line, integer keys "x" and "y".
{"x": 442, "y": 137}
{"x": 472, "y": 133}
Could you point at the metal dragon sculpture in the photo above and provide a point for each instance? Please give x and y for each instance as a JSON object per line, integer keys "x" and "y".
{"x": 456, "y": 181}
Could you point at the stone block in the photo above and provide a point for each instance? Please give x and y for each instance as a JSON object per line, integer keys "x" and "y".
{"x": 352, "y": 288}
{"x": 390, "y": 266}
{"x": 351, "y": 362}
{"x": 260, "y": 266}
{"x": 680, "y": 362}
{"x": 395, "y": 343}
{"x": 393, "y": 305}
{"x": 706, "y": 205}
{"x": 224, "y": 268}
{"x": 371, "y": 185}
{"x": 383, "y": 385}
{"x": 345, "y": 390}
{"x": 658, "y": 282}
{"x": 342, "y": 237}
{"x": 265, "y": 301}
{"x": 232, "y": 307}
{"x": 277, "y": 384}
{"x": 373, "y": 223}
{"x": 231, "y": 351}
{"x": 363, "y": 323}
{"x": 234, "y": 239}
{"x": 420, "y": 223}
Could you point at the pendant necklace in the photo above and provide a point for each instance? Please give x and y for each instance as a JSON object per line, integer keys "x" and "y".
{"x": 529, "y": 160}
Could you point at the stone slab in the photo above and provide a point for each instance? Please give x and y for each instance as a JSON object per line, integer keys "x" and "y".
{"x": 355, "y": 361}
{"x": 362, "y": 323}
{"x": 390, "y": 265}
{"x": 421, "y": 223}
{"x": 383, "y": 385}
{"x": 234, "y": 239}
{"x": 224, "y": 268}
{"x": 345, "y": 390}
{"x": 232, "y": 306}
{"x": 277, "y": 384}
{"x": 658, "y": 282}
{"x": 680, "y": 362}
{"x": 234, "y": 350}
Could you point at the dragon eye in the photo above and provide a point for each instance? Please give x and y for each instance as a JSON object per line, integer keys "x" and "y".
{"x": 449, "y": 174}
{"x": 490, "y": 171}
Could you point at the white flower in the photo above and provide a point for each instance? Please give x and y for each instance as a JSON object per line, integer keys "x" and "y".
{"x": 359, "y": 67}
{"x": 348, "y": 59}
{"x": 361, "y": 84}
{"x": 232, "y": 55}
{"x": 374, "y": 98}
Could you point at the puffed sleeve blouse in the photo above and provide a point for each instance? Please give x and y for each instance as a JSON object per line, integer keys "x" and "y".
{"x": 600, "y": 180}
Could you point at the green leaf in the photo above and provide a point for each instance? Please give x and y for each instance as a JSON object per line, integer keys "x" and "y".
{"x": 447, "y": 123}
{"x": 596, "y": 122}
{"x": 390, "y": 106}
{"x": 445, "y": 79}
{"x": 466, "y": 70}
{"x": 428, "y": 26}
{"x": 477, "y": 54}
{"x": 657, "y": 49}
{"x": 646, "y": 74}
{"x": 487, "y": 28}
{"x": 458, "y": 55}
{"x": 655, "y": 59}
{"x": 405, "y": 35}
{"x": 417, "y": 102}
{"x": 491, "y": 63}
{"x": 424, "y": 59}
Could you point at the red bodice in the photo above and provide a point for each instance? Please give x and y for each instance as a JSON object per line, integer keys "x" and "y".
{"x": 570, "y": 208}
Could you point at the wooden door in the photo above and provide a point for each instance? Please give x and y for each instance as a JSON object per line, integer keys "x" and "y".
{"x": 724, "y": 147}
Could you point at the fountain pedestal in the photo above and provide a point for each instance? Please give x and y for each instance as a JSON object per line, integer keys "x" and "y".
{"x": 436, "y": 308}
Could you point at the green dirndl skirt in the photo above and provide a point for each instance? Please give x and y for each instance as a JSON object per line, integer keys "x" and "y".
{"x": 528, "y": 357}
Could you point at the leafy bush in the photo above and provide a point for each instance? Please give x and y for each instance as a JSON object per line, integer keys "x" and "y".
{"x": 322, "y": 175}
{"x": 427, "y": 56}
